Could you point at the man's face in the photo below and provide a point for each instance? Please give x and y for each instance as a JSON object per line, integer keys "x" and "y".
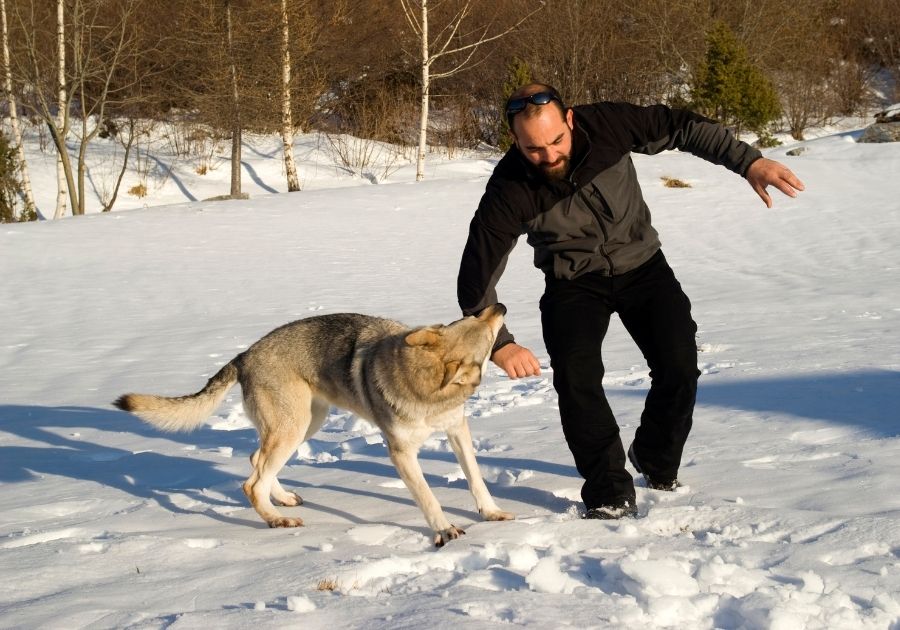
{"x": 546, "y": 140}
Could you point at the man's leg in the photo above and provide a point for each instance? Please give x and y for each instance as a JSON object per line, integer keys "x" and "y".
{"x": 657, "y": 314}
{"x": 575, "y": 317}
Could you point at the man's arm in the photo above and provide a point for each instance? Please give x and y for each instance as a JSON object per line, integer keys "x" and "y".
{"x": 658, "y": 128}
{"x": 492, "y": 235}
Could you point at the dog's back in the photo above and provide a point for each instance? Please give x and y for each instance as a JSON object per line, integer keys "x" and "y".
{"x": 327, "y": 352}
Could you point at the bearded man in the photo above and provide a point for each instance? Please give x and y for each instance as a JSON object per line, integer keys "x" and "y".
{"x": 569, "y": 184}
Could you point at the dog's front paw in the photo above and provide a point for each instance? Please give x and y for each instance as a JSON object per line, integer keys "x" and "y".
{"x": 498, "y": 515}
{"x": 285, "y": 521}
{"x": 446, "y": 535}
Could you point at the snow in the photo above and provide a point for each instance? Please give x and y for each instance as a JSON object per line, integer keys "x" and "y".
{"x": 789, "y": 517}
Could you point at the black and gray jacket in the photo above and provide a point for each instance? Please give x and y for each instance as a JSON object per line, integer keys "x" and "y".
{"x": 596, "y": 220}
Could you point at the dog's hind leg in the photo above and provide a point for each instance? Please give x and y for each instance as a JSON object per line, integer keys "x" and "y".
{"x": 279, "y": 494}
{"x": 280, "y": 434}
{"x": 287, "y": 498}
{"x": 461, "y": 442}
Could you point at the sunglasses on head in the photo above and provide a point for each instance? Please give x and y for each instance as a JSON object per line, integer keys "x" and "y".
{"x": 516, "y": 105}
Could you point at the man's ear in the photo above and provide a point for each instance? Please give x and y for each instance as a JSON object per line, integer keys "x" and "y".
{"x": 570, "y": 118}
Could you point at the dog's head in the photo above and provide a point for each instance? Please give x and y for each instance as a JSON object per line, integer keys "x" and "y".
{"x": 460, "y": 350}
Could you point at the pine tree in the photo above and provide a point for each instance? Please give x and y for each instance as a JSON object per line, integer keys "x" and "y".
{"x": 730, "y": 88}
{"x": 518, "y": 74}
{"x": 10, "y": 187}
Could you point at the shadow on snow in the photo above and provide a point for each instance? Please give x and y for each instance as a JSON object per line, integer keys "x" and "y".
{"x": 867, "y": 400}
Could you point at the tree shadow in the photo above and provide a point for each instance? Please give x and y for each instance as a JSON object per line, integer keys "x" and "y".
{"x": 256, "y": 178}
{"x": 367, "y": 468}
{"x": 54, "y": 446}
{"x": 59, "y": 449}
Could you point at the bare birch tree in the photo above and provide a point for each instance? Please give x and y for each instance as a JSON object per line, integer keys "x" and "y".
{"x": 236, "y": 128}
{"x": 98, "y": 54}
{"x": 61, "y": 130}
{"x": 95, "y": 43}
{"x": 449, "y": 43}
{"x": 287, "y": 123}
{"x": 30, "y": 209}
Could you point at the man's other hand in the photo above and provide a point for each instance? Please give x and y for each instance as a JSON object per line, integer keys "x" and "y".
{"x": 765, "y": 172}
{"x": 517, "y": 361}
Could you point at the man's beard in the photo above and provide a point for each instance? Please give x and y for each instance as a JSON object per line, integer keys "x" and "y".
{"x": 558, "y": 171}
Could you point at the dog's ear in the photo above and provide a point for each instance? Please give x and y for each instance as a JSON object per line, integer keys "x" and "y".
{"x": 451, "y": 372}
{"x": 458, "y": 373}
{"x": 428, "y": 336}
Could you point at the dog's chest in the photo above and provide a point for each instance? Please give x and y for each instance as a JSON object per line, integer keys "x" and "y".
{"x": 445, "y": 420}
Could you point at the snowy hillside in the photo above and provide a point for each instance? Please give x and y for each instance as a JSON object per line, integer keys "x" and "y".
{"x": 790, "y": 517}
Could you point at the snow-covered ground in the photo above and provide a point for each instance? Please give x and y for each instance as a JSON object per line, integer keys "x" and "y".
{"x": 790, "y": 517}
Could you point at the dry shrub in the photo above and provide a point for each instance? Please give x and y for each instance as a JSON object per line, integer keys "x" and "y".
{"x": 139, "y": 191}
{"x": 327, "y": 584}
{"x": 674, "y": 182}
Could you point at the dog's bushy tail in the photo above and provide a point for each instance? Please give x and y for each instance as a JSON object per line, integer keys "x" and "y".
{"x": 182, "y": 413}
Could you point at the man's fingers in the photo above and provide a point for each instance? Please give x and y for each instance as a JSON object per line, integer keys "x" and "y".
{"x": 761, "y": 191}
{"x": 787, "y": 182}
{"x": 793, "y": 180}
{"x": 522, "y": 367}
{"x": 517, "y": 361}
{"x": 786, "y": 187}
{"x": 521, "y": 370}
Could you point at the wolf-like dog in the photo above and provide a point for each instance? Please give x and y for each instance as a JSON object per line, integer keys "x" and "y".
{"x": 409, "y": 382}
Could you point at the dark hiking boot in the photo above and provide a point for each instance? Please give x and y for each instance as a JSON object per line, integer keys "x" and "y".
{"x": 615, "y": 510}
{"x": 654, "y": 483}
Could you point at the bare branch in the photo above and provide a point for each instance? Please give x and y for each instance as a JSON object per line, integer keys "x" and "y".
{"x": 485, "y": 40}
{"x": 411, "y": 18}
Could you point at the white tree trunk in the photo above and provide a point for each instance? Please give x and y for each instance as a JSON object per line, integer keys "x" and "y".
{"x": 443, "y": 48}
{"x": 236, "y": 110}
{"x": 62, "y": 126}
{"x": 287, "y": 123}
{"x": 14, "y": 118}
{"x": 423, "y": 118}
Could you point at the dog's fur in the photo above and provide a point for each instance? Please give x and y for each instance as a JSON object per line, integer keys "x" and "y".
{"x": 409, "y": 382}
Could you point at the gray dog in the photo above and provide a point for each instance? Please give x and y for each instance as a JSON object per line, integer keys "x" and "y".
{"x": 409, "y": 381}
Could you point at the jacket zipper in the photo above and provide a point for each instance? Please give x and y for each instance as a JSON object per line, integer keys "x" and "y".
{"x": 599, "y": 219}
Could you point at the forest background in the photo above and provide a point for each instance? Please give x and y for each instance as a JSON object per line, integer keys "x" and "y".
{"x": 417, "y": 74}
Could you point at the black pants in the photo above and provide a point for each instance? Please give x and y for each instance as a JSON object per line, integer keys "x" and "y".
{"x": 657, "y": 314}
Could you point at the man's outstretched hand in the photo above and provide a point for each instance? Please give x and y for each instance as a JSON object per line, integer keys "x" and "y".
{"x": 765, "y": 172}
{"x": 517, "y": 361}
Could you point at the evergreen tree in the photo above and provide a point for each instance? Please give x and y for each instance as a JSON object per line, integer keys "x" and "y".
{"x": 518, "y": 74}
{"x": 730, "y": 88}
{"x": 10, "y": 186}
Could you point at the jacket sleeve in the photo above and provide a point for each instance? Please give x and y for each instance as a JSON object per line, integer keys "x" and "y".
{"x": 492, "y": 235}
{"x": 658, "y": 128}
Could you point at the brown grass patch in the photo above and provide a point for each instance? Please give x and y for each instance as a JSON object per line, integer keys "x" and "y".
{"x": 138, "y": 191}
{"x": 674, "y": 182}
{"x": 328, "y": 584}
